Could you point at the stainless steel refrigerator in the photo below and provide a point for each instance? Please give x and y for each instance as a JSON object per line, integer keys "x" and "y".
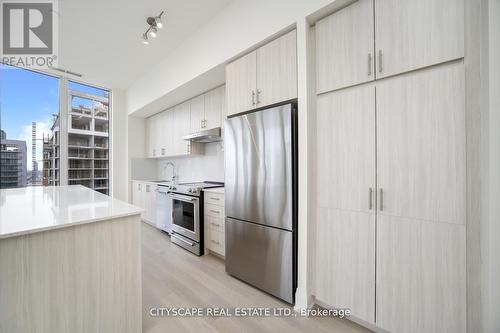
{"x": 261, "y": 199}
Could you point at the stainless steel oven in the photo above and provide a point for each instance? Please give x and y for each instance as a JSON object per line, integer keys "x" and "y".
{"x": 186, "y": 216}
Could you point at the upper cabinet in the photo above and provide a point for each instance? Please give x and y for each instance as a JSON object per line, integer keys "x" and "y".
{"x": 263, "y": 77}
{"x": 197, "y": 113}
{"x": 182, "y": 121}
{"x": 165, "y": 131}
{"x": 207, "y": 110}
{"x": 214, "y": 107}
{"x": 241, "y": 82}
{"x": 428, "y": 32}
{"x": 277, "y": 70}
{"x": 408, "y": 35}
{"x": 345, "y": 49}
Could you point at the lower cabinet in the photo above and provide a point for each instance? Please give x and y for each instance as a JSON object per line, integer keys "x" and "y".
{"x": 144, "y": 196}
{"x": 214, "y": 223}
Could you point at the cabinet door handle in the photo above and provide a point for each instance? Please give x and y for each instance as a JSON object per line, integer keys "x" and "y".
{"x": 214, "y": 198}
{"x": 139, "y": 187}
{"x": 370, "y": 195}
{"x": 163, "y": 151}
{"x": 214, "y": 242}
{"x": 258, "y": 94}
{"x": 215, "y": 211}
{"x": 189, "y": 147}
{"x": 381, "y": 200}
{"x": 147, "y": 188}
{"x": 253, "y": 97}
{"x": 369, "y": 66}
{"x": 380, "y": 61}
{"x": 215, "y": 224}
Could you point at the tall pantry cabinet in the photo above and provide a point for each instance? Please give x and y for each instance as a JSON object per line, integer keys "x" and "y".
{"x": 391, "y": 162}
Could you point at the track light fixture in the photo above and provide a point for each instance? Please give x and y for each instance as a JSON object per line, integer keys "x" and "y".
{"x": 154, "y": 23}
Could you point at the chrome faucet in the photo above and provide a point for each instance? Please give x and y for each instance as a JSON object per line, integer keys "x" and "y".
{"x": 174, "y": 175}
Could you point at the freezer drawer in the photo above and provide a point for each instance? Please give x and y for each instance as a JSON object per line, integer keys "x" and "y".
{"x": 261, "y": 256}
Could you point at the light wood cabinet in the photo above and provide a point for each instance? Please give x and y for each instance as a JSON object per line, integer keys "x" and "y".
{"x": 421, "y": 212}
{"x": 417, "y": 204}
{"x": 263, "y": 77}
{"x": 277, "y": 70}
{"x": 345, "y": 47}
{"x": 346, "y": 209}
{"x": 152, "y": 136}
{"x": 166, "y": 130}
{"x": 181, "y": 128}
{"x": 370, "y": 40}
{"x": 197, "y": 113}
{"x": 144, "y": 196}
{"x": 414, "y": 34}
{"x": 214, "y": 107}
{"x": 207, "y": 109}
{"x": 214, "y": 228}
{"x": 241, "y": 84}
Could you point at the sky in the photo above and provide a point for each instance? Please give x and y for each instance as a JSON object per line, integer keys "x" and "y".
{"x": 27, "y": 96}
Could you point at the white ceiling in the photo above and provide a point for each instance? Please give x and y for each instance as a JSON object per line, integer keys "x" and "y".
{"x": 101, "y": 39}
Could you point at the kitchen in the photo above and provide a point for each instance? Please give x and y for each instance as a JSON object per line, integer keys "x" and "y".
{"x": 262, "y": 166}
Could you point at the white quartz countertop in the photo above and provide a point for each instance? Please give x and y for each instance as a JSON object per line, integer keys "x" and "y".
{"x": 34, "y": 209}
{"x": 214, "y": 190}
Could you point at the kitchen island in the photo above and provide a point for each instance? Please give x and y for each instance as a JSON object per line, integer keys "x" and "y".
{"x": 70, "y": 261}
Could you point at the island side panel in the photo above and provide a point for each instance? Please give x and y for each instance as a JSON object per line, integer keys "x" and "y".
{"x": 84, "y": 278}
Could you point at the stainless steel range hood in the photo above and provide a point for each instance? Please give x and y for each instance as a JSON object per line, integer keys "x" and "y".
{"x": 206, "y": 136}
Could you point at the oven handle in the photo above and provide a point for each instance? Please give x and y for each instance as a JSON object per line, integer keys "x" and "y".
{"x": 182, "y": 198}
{"x": 182, "y": 240}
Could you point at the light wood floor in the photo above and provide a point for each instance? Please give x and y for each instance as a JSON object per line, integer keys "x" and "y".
{"x": 173, "y": 277}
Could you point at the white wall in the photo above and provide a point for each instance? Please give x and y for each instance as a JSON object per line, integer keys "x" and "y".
{"x": 238, "y": 27}
{"x": 207, "y": 167}
{"x": 119, "y": 135}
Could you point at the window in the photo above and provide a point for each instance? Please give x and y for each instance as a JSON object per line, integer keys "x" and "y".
{"x": 29, "y": 114}
{"x": 69, "y": 147}
{"x": 88, "y": 136}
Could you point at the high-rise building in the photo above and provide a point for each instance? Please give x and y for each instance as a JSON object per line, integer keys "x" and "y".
{"x": 88, "y": 140}
{"x": 51, "y": 149}
{"x": 12, "y": 162}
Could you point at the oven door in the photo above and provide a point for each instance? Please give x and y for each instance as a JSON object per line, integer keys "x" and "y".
{"x": 186, "y": 216}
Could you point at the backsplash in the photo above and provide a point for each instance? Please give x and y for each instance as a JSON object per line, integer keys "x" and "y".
{"x": 209, "y": 166}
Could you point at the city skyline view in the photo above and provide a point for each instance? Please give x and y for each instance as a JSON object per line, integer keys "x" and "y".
{"x": 18, "y": 112}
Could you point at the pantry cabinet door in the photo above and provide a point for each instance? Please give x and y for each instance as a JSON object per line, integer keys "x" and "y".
{"x": 197, "y": 113}
{"x": 344, "y": 47}
{"x": 277, "y": 70}
{"x": 241, "y": 84}
{"x": 214, "y": 100}
{"x": 345, "y": 247}
{"x": 421, "y": 218}
{"x": 414, "y": 34}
